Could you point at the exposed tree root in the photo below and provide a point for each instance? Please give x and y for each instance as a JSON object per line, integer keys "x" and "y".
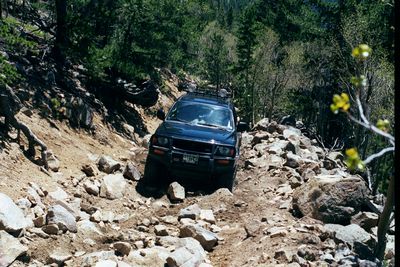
{"x": 9, "y": 107}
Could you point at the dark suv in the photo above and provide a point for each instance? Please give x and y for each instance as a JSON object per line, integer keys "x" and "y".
{"x": 199, "y": 139}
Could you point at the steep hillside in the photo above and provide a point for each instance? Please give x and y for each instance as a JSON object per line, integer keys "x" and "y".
{"x": 289, "y": 207}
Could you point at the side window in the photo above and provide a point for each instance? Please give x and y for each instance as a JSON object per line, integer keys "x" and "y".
{"x": 234, "y": 115}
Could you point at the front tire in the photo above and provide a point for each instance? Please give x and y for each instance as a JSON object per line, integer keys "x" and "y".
{"x": 152, "y": 173}
{"x": 227, "y": 180}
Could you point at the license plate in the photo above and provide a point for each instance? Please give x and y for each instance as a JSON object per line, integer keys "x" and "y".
{"x": 190, "y": 158}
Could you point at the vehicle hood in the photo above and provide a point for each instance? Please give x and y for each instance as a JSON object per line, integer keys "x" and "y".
{"x": 195, "y": 132}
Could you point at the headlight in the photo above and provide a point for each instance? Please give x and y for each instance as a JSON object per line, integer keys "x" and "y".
{"x": 160, "y": 141}
{"x": 225, "y": 151}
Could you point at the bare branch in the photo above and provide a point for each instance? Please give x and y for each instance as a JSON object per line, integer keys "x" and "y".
{"x": 365, "y": 123}
{"x": 379, "y": 154}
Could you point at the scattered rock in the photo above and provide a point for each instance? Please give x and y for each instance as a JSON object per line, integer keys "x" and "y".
{"x": 87, "y": 227}
{"x": 277, "y": 231}
{"x": 123, "y": 248}
{"x": 176, "y": 192}
{"x": 160, "y": 230}
{"x": 52, "y": 162}
{"x": 131, "y": 172}
{"x": 350, "y": 234}
{"x": 59, "y": 257}
{"x": 91, "y": 188}
{"x": 262, "y": 125}
{"x": 62, "y": 218}
{"x": 12, "y": 218}
{"x": 113, "y": 186}
{"x": 89, "y": 170}
{"x": 283, "y": 256}
{"x": 108, "y": 165}
{"x": 192, "y": 212}
{"x": 366, "y": 220}
{"x": 106, "y": 263}
{"x": 59, "y": 194}
{"x": 10, "y": 248}
{"x": 207, "y": 215}
{"x": 51, "y": 229}
{"x": 189, "y": 252}
{"x": 252, "y": 228}
{"x": 155, "y": 256}
{"x": 206, "y": 238}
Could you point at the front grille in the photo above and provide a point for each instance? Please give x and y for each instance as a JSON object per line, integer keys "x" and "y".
{"x": 192, "y": 146}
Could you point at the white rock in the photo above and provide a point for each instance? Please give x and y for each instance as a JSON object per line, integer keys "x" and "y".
{"x": 277, "y": 231}
{"x": 60, "y": 257}
{"x": 62, "y": 217}
{"x": 192, "y": 212}
{"x": 106, "y": 263}
{"x": 87, "y": 227}
{"x": 91, "y": 188}
{"x": 176, "y": 191}
{"x": 113, "y": 186}
{"x": 206, "y": 238}
{"x": 10, "y": 248}
{"x": 59, "y": 194}
{"x": 12, "y": 218}
{"x": 160, "y": 230}
{"x": 131, "y": 172}
{"x": 207, "y": 215}
{"x": 52, "y": 161}
{"x": 108, "y": 165}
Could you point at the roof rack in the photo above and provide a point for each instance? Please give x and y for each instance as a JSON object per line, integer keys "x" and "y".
{"x": 221, "y": 93}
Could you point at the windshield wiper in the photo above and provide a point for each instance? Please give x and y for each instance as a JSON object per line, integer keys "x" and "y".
{"x": 212, "y": 125}
{"x": 178, "y": 119}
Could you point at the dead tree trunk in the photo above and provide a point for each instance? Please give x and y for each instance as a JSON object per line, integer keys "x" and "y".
{"x": 384, "y": 221}
{"x": 9, "y": 107}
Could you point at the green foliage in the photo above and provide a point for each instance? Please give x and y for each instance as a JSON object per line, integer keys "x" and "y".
{"x": 216, "y": 55}
{"x": 11, "y": 36}
{"x": 8, "y": 73}
{"x": 130, "y": 38}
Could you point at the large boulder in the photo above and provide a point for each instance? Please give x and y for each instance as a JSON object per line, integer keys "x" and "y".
{"x": 331, "y": 199}
{"x": 12, "y": 218}
{"x": 113, "y": 186}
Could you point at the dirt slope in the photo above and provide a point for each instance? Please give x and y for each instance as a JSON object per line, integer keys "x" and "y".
{"x": 256, "y": 227}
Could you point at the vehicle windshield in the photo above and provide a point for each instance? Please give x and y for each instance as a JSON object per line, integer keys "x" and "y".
{"x": 202, "y": 114}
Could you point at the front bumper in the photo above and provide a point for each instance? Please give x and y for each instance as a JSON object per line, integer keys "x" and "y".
{"x": 207, "y": 166}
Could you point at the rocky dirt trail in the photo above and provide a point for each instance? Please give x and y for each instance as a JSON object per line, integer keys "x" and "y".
{"x": 86, "y": 210}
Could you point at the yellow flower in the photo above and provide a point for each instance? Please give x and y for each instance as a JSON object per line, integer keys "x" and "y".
{"x": 383, "y": 125}
{"x": 353, "y": 160}
{"x": 363, "y": 51}
{"x": 359, "y": 81}
{"x": 340, "y": 102}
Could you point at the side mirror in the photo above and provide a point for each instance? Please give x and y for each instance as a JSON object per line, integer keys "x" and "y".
{"x": 242, "y": 127}
{"x": 161, "y": 114}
